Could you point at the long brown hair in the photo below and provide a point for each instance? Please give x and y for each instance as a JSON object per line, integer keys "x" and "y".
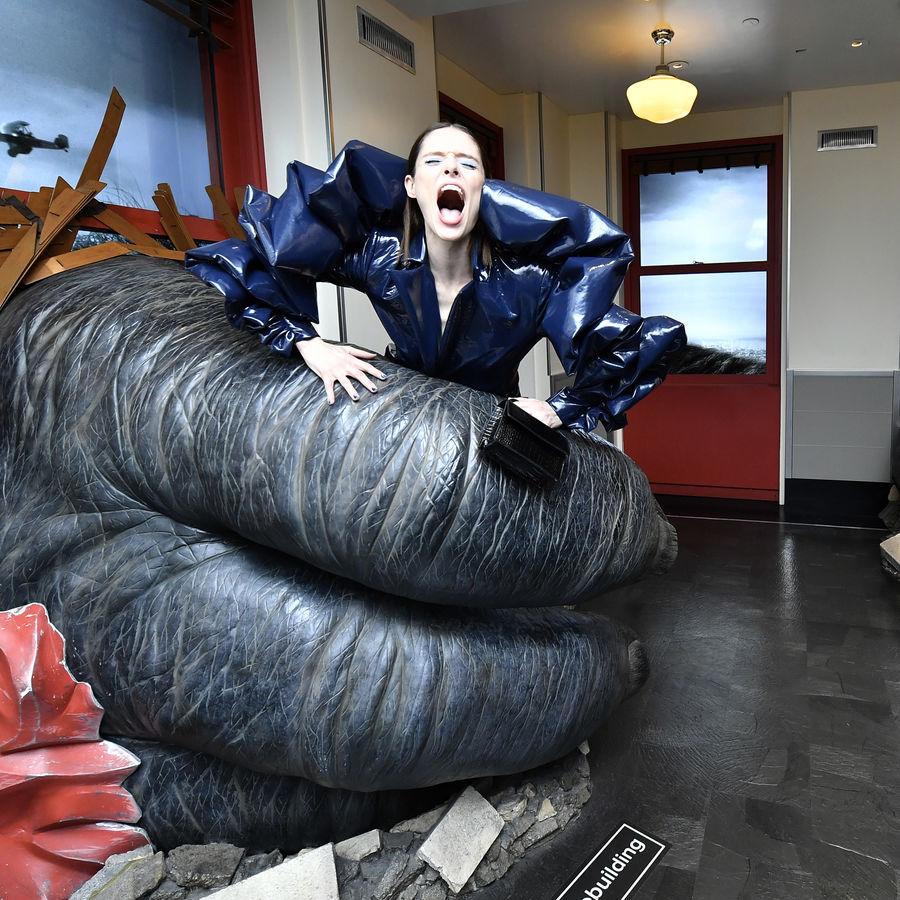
{"x": 413, "y": 223}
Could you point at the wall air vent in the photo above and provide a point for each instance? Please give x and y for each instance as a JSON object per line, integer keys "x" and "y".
{"x": 390, "y": 44}
{"x": 848, "y": 138}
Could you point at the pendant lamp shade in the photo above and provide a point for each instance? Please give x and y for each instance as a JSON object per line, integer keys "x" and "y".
{"x": 662, "y": 97}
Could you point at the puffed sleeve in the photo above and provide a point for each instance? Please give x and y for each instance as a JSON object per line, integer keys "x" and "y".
{"x": 616, "y": 356}
{"x": 269, "y": 279}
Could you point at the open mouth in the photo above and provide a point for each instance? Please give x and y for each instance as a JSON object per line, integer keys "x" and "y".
{"x": 450, "y": 203}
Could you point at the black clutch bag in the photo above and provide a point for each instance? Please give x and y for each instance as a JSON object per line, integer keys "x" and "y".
{"x": 524, "y": 446}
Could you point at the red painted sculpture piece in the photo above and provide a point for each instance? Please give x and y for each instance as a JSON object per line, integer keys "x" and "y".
{"x": 63, "y": 811}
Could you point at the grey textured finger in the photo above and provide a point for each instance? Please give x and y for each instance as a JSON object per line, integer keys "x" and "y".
{"x": 229, "y": 650}
{"x": 129, "y": 389}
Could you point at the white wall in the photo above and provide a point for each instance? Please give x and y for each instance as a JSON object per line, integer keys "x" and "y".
{"x": 844, "y": 274}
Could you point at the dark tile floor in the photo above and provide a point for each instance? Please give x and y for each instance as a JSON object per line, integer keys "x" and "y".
{"x": 764, "y": 748}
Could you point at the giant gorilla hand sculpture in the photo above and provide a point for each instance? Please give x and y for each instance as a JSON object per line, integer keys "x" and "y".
{"x": 267, "y": 593}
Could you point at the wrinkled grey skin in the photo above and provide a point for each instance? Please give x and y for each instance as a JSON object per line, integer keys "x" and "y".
{"x": 177, "y": 497}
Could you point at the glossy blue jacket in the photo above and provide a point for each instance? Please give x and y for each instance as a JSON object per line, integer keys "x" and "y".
{"x": 556, "y": 267}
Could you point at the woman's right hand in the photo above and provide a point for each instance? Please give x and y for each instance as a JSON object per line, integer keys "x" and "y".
{"x": 339, "y": 363}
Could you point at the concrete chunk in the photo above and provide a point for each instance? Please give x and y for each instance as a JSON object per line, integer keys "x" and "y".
{"x": 890, "y": 552}
{"x": 204, "y": 865}
{"x": 546, "y": 811}
{"x": 359, "y": 847}
{"x": 310, "y": 876}
{"x": 420, "y": 824}
{"x": 125, "y": 876}
{"x": 462, "y": 838}
{"x": 513, "y": 808}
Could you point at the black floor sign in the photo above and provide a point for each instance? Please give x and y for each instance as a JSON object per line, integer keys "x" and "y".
{"x": 618, "y": 866}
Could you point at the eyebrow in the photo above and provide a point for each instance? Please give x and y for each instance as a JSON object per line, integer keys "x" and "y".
{"x": 464, "y": 153}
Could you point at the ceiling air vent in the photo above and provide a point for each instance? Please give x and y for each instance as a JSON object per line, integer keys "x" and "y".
{"x": 390, "y": 44}
{"x": 848, "y": 138}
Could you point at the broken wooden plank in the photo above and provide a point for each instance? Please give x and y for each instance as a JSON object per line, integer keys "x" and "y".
{"x": 9, "y": 237}
{"x": 106, "y": 137}
{"x": 39, "y": 201}
{"x": 14, "y": 213}
{"x": 17, "y": 261}
{"x": 223, "y": 212}
{"x": 120, "y": 225}
{"x": 67, "y": 202}
{"x": 75, "y": 259}
{"x": 160, "y": 252}
{"x": 171, "y": 219}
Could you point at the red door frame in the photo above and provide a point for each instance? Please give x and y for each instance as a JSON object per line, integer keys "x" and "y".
{"x": 712, "y": 435}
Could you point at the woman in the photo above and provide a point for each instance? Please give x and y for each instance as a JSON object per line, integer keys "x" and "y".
{"x": 479, "y": 272}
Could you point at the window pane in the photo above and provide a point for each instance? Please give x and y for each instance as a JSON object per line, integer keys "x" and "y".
{"x": 724, "y": 314}
{"x": 718, "y": 215}
{"x": 61, "y": 60}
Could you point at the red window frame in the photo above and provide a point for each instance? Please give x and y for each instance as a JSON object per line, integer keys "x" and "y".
{"x": 631, "y": 210}
{"x": 236, "y": 106}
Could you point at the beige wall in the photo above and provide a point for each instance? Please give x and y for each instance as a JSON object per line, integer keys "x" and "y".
{"x": 371, "y": 99}
{"x": 516, "y": 114}
{"x": 844, "y": 274}
{"x": 377, "y": 101}
{"x": 292, "y": 100}
{"x": 587, "y": 160}
{"x": 556, "y": 148}
{"x": 718, "y": 126}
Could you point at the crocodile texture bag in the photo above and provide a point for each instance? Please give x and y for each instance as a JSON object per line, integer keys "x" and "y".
{"x": 523, "y": 445}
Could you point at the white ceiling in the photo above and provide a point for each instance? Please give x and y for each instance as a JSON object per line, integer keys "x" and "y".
{"x": 582, "y": 54}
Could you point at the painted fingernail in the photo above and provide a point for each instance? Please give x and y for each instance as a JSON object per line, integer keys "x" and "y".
{"x": 374, "y": 390}
{"x": 356, "y": 396}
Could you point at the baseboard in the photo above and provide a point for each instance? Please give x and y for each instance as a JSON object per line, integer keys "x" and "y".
{"x": 820, "y": 502}
{"x": 700, "y": 507}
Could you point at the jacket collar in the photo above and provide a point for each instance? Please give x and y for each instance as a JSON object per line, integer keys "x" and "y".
{"x": 418, "y": 253}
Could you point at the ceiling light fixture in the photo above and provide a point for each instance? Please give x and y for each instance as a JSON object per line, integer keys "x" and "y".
{"x": 662, "y": 97}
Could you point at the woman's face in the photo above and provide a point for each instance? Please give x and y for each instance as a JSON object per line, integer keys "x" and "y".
{"x": 447, "y": 183}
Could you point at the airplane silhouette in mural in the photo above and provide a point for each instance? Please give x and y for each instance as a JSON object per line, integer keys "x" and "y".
{"x": 21, "y": 140}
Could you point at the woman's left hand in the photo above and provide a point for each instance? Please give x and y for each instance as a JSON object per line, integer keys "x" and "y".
{"x": 540, "y": 410}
